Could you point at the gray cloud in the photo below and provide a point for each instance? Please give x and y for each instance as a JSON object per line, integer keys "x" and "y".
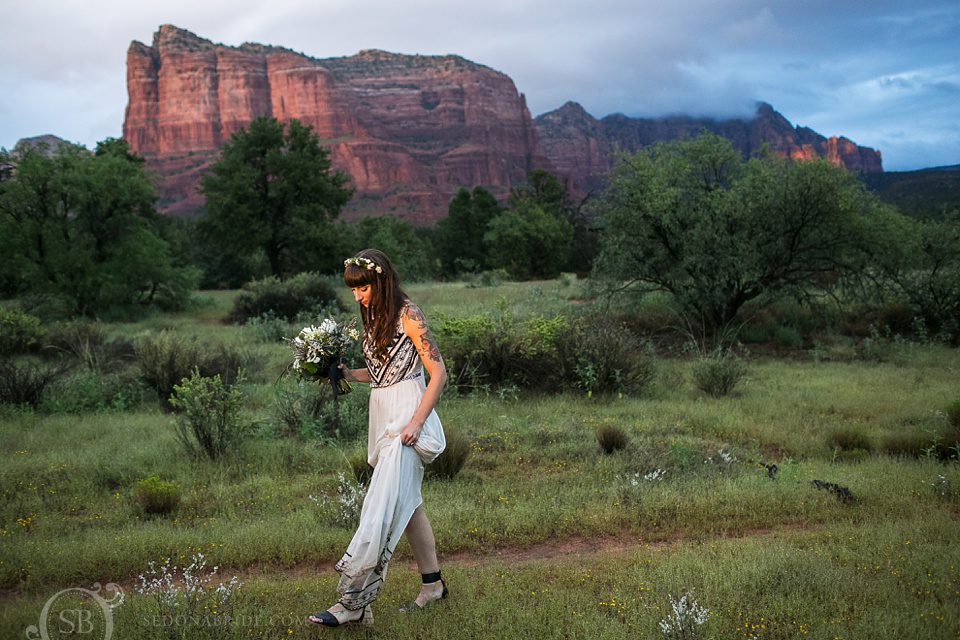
{"x": 883, "y": 73}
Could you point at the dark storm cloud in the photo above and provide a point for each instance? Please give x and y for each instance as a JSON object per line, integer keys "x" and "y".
{"x": 883, "y": 73}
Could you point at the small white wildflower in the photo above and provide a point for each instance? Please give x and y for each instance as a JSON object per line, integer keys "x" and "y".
{"x": 656, "y": 474}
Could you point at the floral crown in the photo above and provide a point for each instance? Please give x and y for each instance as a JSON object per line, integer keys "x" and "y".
{"x": 363, "y": 263}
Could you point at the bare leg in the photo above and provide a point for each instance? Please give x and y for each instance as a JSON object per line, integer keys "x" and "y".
{"x": 424, "y": 546}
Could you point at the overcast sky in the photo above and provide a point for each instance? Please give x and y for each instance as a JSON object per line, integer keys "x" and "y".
{"x": 885, "y": 73}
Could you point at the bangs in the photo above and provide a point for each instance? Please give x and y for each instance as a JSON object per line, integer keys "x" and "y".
{"x": 354, "y": 276}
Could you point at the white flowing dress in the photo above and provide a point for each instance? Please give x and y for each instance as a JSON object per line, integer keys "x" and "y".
{"x": 397, "y": 386}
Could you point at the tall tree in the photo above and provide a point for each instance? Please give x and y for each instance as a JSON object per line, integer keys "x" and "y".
{"x": 273, "y": 192}
{"x": 528, "y": 242}
{"x": 81, "y": 232}
{"x": 410, "y": 252}
{"x": 695, "y": 220}
{"x": 460, "y": 234}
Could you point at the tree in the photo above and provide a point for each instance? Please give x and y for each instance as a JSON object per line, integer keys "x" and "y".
{"x": 695, "y": 220}
{"x": 918, "y": 262}
{"x": 460, "y": 234}
{"x": 528, "y": 242}
{"x": 80, "y": 232}
{"x": 411, "y": 254}
{"x": 547, "y": 192}
{"x": 272, "y": 193}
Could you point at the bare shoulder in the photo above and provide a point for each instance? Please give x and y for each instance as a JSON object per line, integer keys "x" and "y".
{"x": 413, "y": 312}
{"x": 415, "y": 325}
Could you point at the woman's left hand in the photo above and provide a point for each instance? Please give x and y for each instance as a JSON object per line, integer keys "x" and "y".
{"x": 410, "y": 434}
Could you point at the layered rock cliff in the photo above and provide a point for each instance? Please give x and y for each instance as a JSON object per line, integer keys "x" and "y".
{"x": 409, "y": 130}
{"x": 583, "y": 147}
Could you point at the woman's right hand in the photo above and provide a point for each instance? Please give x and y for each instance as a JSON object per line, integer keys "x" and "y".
{"x": 347, "y": 373}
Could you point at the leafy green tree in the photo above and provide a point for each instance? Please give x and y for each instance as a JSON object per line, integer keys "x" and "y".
{"x": 528, "y": 242}
{"x": 917, "y": 262}
{"x": 551, "y": 195}
{"x": 411, "y": 253}
{"x": 271, "y": 198}
{"x": 81, "y": 234}
{"x": 460, "y": 234}
{"x": 695, "y": 220}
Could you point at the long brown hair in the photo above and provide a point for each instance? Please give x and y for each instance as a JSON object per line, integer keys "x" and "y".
{"x": 386, "y": 298}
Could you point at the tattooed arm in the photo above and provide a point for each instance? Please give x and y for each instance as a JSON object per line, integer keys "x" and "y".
{"x": 415, "y": 326}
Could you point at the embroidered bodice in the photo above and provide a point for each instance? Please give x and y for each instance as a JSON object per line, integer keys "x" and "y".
{"x": 402, "y": 363}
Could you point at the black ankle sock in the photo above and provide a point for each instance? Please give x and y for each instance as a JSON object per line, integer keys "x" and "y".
{"x": 430, "y": 578}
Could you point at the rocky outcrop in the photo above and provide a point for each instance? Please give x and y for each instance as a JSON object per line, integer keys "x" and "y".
{"x": 409, "y": 130}
{"x": 583, "y": 147}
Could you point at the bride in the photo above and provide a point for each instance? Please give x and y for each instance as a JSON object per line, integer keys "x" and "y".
{"x": 404, "y": 434}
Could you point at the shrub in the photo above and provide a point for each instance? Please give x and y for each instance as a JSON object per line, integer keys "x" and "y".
{"x": 156, "y": 496}
{"x": 486, "y": 279}
{"x": 210, "y": 423}
{"x": 905, "y": 443}
{"x": 849, "y": 440}
{"x": 165, "y": 359}
{"x": 449, "y": 463}
{"x": 718, "y": 374}
{"x": 953, "y": 414}
{"x": 89, "y": 390}
{"x": 362, "y": 471}
{"x": 285, "y": 299}
{"x": 87, "y": 342}
{"x": 308, "y": 411}
{"x": 602, "y": 356}
{"x": 24, "y": 384}
{"x": 591, "y": 354}
{"x": 268, "y": 327}
{"x": 19, "y": 332}
{"x": 611, "y": 439}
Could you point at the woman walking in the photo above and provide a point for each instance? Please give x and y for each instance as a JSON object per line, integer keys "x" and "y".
{"x": 404, "y": 434}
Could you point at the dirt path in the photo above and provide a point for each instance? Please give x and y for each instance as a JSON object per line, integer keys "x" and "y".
{"x": 547, "y": 551}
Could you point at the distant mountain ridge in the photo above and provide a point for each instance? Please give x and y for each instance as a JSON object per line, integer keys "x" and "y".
{"x": 409, "y": 130}
{"x": 930, "y": 193}
{"x": 584, "y": 148}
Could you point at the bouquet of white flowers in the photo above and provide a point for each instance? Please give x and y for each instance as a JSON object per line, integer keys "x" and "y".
{"x": 317, "y": 352}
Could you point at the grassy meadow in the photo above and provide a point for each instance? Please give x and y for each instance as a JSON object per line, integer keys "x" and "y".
{"x": 541, "y": 534}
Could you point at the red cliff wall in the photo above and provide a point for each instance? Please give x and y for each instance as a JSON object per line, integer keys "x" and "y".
{"x": 409, "y": 130}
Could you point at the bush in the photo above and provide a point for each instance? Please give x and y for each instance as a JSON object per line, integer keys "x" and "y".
{"x": 89, "y": 390}
{"x": 953, "y": 414}
{"x": 548, "y": 354}
{"x": 19, "y": 332}
{"x": 210, "y": 423}
{"x": 486, "y": 279}
{"x": 362, "y": 471}
{"x": 449, "y": 463}
{"x": 611, "y": 439}
{"x": 305, "y": 292}
{"x": 906, "y": 443}
{"x": 849, "y": 440}
{"x": 308, "y": 411}
{"x": 602, "y": 356}
{"x": 718, "y": 374}
{"x": 268, "y": 327}
{"x": 24, "y": 384}
{"x": 165, "y": 359}
{"x": 156, "y": 496}
{"x": 87, "y": 342}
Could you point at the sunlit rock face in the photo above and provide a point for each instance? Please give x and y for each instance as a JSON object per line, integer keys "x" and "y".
{"x": 408, "y": 130}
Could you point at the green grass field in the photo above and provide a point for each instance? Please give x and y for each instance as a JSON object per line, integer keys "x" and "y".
{"x": 541, "y": 534}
